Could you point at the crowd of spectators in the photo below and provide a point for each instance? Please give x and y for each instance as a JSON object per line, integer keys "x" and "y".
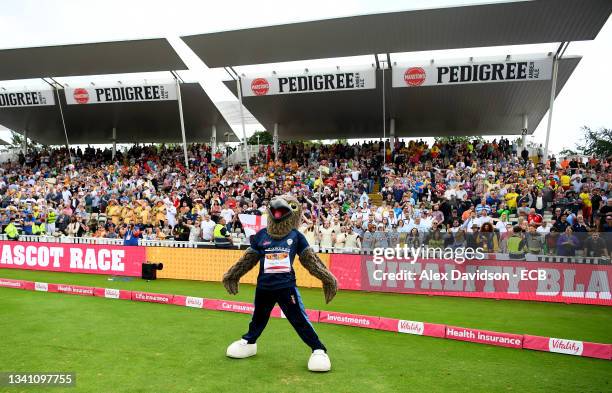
{"x": 477, "y": 193}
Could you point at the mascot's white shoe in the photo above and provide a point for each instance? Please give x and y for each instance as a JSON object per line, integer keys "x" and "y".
{"x": 241, "y": 349}
{"x": 319, "y": 361}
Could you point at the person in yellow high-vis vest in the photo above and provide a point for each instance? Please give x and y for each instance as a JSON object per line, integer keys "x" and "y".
{"x": 221, "y": 235}
{"x": 11, "y": 231}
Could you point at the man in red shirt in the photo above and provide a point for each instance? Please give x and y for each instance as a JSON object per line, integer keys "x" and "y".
{"x": 534, "y": 218}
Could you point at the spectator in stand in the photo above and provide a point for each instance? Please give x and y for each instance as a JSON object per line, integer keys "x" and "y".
{"x": 533, "y": 240}
{"x": 130, "y": 235}
{"x": 567, "y": 243}
{"x": 596, "y": 246}
{"x": 207, "y": 227}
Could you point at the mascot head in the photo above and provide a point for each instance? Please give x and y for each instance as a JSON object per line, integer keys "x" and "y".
{"x": 284, "y": 214}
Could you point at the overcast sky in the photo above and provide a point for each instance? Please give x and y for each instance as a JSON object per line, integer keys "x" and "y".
{"x": 585, "y": 100}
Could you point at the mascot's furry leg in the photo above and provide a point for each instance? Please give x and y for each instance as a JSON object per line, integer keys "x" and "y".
{"x": 240, "y": 349}
{"x": 274, "y": 249}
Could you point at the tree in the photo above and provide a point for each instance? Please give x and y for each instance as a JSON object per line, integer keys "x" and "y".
{"x": 596, "y": 142}
{"x": 265, "y": 138}
{"x": 16, "y": 139}
{"x": 458, "y": 139}
{"x": 568, "y": 152}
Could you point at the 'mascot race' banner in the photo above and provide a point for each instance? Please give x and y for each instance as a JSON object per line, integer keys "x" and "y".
{"x": 73, "y": 258}
{"x": 15, "y": 99}
{"x": 473, "y": 72}
{"x": 309, "y": 83}
{"x": 120, "y": 93}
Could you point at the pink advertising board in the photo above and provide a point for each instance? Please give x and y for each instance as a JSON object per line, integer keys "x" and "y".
{"x": 568, "y": 347}
{"x": 347, "y": 269}
{"x": 495, "y": 279}
{"x": 241, "y": 307}
{"x": 75, "y": 290}
{"x": 16, "y": 284}
{"x": 152, "y": 297}
{"x": 111, "y": 293}
{"x": 485, "y": 337}
{"x": 188, "y": 301}
{"x": 338, "y": 318}
{"x": 73, "y": 258}
{"x": 412, "y": 327}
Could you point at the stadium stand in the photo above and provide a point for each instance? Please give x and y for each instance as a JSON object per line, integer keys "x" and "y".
{"x": 451, "y": 194}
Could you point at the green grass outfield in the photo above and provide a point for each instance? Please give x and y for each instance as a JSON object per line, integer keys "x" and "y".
{"x": 124, "y": 346}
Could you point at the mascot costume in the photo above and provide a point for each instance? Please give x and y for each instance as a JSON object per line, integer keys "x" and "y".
{"x": 274, "y": 248}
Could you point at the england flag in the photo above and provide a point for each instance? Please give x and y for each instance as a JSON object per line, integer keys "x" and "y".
{"x": 251, "y": 223}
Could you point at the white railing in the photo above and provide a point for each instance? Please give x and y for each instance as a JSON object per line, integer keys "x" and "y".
{"x": 240, "y": 241}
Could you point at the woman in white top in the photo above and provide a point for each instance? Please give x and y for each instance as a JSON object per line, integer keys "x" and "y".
{"x": 325, "y": 235}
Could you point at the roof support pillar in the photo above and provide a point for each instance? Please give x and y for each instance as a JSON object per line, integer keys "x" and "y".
{"x": 114, "y": 142}
{"x": 213, "y": 140}
{"x": 246, "y": 146}
{"x": 553, "y": 91}
{"x": 524, "y": 131}
{"x": 384, "y": 113}
{"x": 275, "y": 140}
{"x": 392, "y": 133}
{"x": 180, "y": 108}
{"x": 59, "y": 104}
{"x": 24, "y": 144}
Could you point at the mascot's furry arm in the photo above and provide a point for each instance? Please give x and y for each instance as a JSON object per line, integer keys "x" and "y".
{"x": 248, "y": 261}
{"x": 311, "y": 261}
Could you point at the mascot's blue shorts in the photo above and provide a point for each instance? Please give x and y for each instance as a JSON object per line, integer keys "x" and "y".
{"x": 290, "y": 302}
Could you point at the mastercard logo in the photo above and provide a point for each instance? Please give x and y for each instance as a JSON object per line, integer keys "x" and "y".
{"x": 414, "y": 76}
{"x": 81, "y": 96}
{"x": 260, "y": 86}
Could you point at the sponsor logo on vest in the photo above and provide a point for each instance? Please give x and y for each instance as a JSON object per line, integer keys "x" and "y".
{"x": 569, "y": 347}
{"x": 41, "y": 286}
{"x": 410, "y": 327}
{"x": 111, "y": 293}
{"x": 81, "y": 96}
{"x": 260, "y": 86}
{"x": 414, "y": 76}
{"x": 196, "y": 302}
